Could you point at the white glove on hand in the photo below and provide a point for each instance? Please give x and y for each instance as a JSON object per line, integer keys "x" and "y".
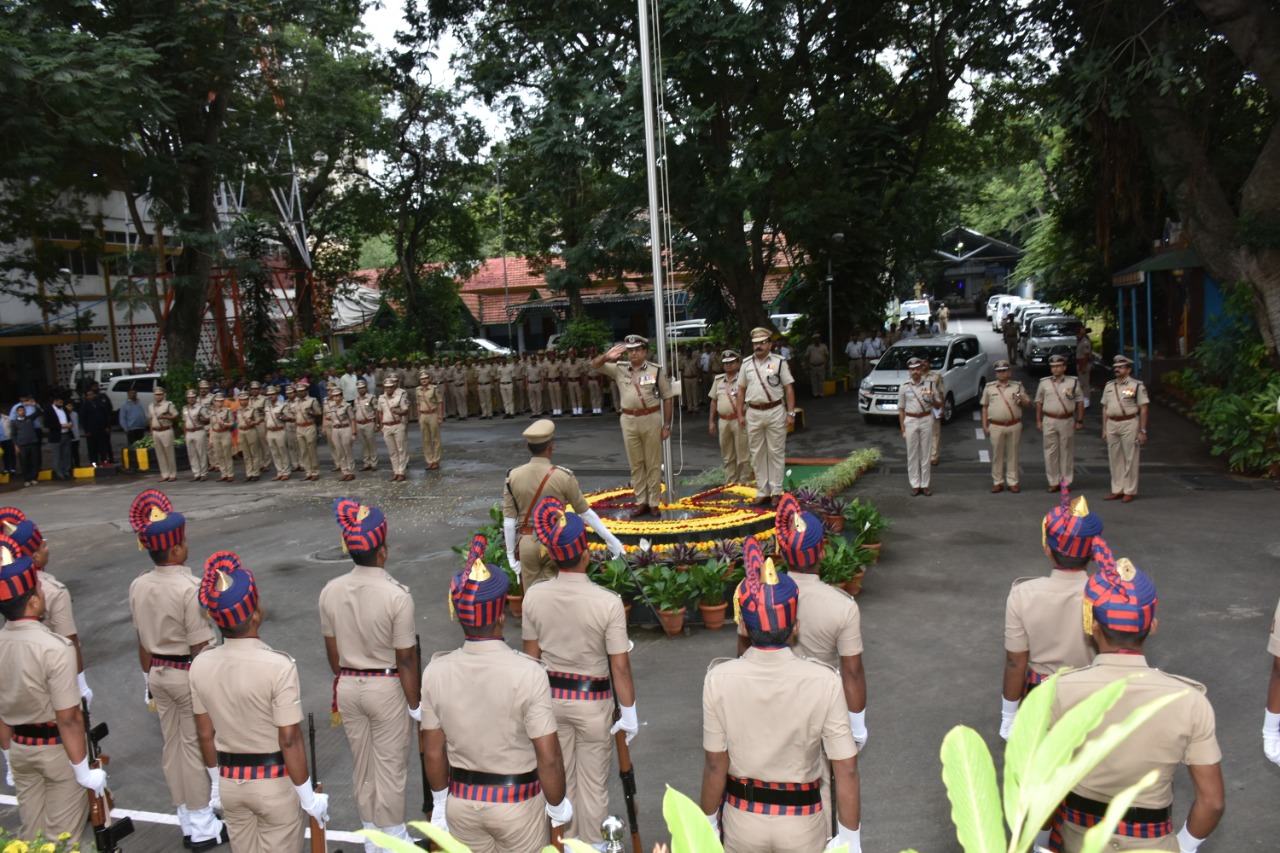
{"x": 316, "y": 805}
{"x": 714, "y": 820}
{"x": 146, "y": 690}
{"x": 1187, "y": 842}
{"x": 846, "y": 837}
{"x": 1008, "y": 710}
{"x": 1041, "y": 842}
{"x": 438, "y": 800}
{"x": 215, "y": 794}
{"x": 561, "y": 813}
{"x": 858, "y": 724}
{"x": 627, "y": 722}
{"x": 615, "y": 546}
{"x": 514, "y": 563}
{"x": 1270, "y": 736}
{"x": 8, "y": 769}
{"x": 95, "y": 780}
{"x": 416, "y": 713}
{"x": 85, "y": 693}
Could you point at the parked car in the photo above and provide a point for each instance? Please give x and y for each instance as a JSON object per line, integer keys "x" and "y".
{"x": 117, "y": 389}
{"x": 914, "y": 310}
{"x": 472, "y": 346}
{"x": 1025, "y": 318}
{"x": 102, "y": 372}
{"x": 783, "y": 322}
{"x": 1050, "y": 334}
{"x": 1006, "y": 305}
{"x": 683, "y": 329}
{"x": 959, "y": 358}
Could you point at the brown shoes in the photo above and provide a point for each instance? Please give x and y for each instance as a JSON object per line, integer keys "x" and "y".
{"x": 915, "y": 492}
{"x": 1128, "y": 499}
{"x": 1114, "y": 496}
{"x": 998, "y": 487}
{"x": 926, "y": 493}
{"x": 1014, "y": 489}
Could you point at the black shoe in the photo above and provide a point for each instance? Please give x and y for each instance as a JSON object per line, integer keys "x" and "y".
{"x": 212, "y": 842}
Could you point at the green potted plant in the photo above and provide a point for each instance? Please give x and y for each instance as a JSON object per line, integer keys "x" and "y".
{"x": 844, "y": 564}
{"x": 682, "y": 555}
{"x": 668, "y": 591}
{"x": 707, "y": 582}
{"x": 832, "y": 509}
{"x": 868, "y": 523}
{"x": 615, "y": 576}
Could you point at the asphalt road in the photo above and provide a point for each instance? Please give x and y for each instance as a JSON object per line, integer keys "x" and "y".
{"x": 932, "y": 609}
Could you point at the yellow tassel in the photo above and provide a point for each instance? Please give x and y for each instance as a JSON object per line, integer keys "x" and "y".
{"x": 737, "y": 607}
{"x": 335, "y": 719}
{"x": 1088, "y": 617}
{"x": 151, "y": 704}
{"x": 140, "y": 548}
{"x": 453, "y": 617}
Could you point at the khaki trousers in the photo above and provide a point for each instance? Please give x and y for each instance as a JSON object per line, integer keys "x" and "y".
{"x": 555, "y": 392}
{"x": 1005, "y": 441}
{"x": 163, "y": 440}
{"x": 393, "y": 435}
{"x": 642, "y": 438}
{"x": 376, "y": 717}
{"x": 1084, "y": 367}
{"x": 583, "y": 730}
{"x": 291, "y": 444}
{"x": 937, "y": 440}
{"x": 251, "y": 446}
{"x": 180, "y": 759}
{"x": 734, "y": 450}
{"x": 222, "y": 453}
{"x": 1059, "y": 449}
{"x": 263, "y": 815}
{"x": 198, "y": 452}
{"x": 263, "y": 457}
{"x": 368, "y": 446}
{"x": 485, "y": 393}
{"x": 919, "y": 441}
{"x": 818, "y": 378}
{"x": 1122, "y": 454}
{"x": 595, "y": 390}
{"x": 689, "y": 391}
{"x": 767, "y": 439}
{"x": 574, "y": 388}
{"x": 430, "y": 449}
{"x": 1073, "y": 841}
{"x": 507, "y": 390}
{"x": 745, "y": 832}
{"x": 458, "y": 392}
{"x": 517, "y": 392}
{"x": 49, "y": 798}
{"x": 307, "y": 450}
{"x": 342, "y": 441}
{"x": 499, "y": 827}
{"x": 615, "y": 391}
{"x": 535, "y": 565}
{"x": 535, "y": 398}
{"x": 278, "y": 447}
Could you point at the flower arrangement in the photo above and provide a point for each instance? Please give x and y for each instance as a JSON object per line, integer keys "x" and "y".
{"x": 839, "y": 477}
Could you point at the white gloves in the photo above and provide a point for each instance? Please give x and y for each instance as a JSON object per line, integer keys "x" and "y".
{"x": 714, "y": 820}
{"x": 438, "y": 800}
{"x": 627, "y": 722}
{"x": 8, "y": 769}
{"x": 416, "y": 713}
{"x": 1008, "y": 710}
{"x": 1271, "y": 736}
{"x": 593, "y": 520}
{"x": 858, "y": 723}
{"x": 509, "y": 538}
{"x": 1187, "y": 842}
{"x": 85, "y": 693}
{"x": 215, "y": 795}
{"x": 1041, "y": 842}
{"x": 95, "y": 780}
{"x": 316, "y": 805}
{"x": 846, "y": 837}
{"x": 561, "y": 813}
{"x": 146, "y": 691}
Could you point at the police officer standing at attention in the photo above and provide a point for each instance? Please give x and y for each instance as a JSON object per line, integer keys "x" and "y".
{"x": 250, "y": 445}
{"x": 579, "y": 630}
{"x": 224, "y": 421}
{"x": 815, "y": 356}
{"x": 248, "y": 710}
{"x": 393, "y": 411}
{"x": 766, "y": 383}
{"x": 1058, "y": 399}
{"x": 726, "y": 420}
{"x": 275, "y": 417}
{"x": 430, "y": 414}
{"x": 1125, "y": 407}
{"x": 646, "y": 417}
{"x": 491, "y": 754}
{"x": 917, "y": 403}
{"x": 364, "y": 408}
{"x": 172, "y": 631}
{"x": 367, "y": 618}
{"x": 1002, "y": 405}
{"x": 195, "y": 417}
{"x": 766, "y": 782}
{"x": 306, "y": 411}
{"x": 40, "y": 701}
{"x": 341, "y": 423}
{"x": 160, "y": 417}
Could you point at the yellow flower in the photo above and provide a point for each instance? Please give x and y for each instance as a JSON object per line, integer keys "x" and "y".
{"x": 17, "y": 847}
{"x": 46, "y": 848}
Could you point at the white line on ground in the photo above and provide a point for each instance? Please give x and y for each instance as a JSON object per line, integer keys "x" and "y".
{"x": 977, "y": 433}
{"x": 977, "y": 415}
{"x": 984, "y": 456}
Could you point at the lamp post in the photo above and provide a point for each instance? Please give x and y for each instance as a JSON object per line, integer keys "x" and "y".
{"x": 506, "y": 287}
{"x": 836, "y": 239}
{"x": 66, "y": 273}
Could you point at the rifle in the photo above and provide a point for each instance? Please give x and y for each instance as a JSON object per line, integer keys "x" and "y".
{"x": 106, "y": 833}
{"x": 318, "y": 844}
{"x": 627, "y": 774}
{"x": 422, "y": 746}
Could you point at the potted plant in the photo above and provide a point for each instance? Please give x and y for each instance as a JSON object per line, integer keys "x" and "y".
{"x": 614, "y": 575}
{"x": 832, "y": 509}
{"x": 728, "y": 552}
{"x": 867, "y": 523}
{"x": 668, "y": 591}
{"x": 844, "y": 564}
{"x": 806, "y": 497}
{"x": 682, "y": 555}
{"x": 707, "y": 582}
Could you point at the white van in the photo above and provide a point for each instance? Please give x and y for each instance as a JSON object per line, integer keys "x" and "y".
{"x": 102, "y": 372}
{"x": 682, "y": 329}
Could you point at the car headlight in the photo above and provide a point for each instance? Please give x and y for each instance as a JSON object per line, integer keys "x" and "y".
{"x": 866, "y": 385}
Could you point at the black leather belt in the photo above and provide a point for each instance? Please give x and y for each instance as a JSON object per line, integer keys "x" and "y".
{"x": 173, "y": 658}
{"x": 1133, "y": 815}
{"x": 476, "y": 777}
{"x": 36, "y": 730}
{"x": 346, "y": 670}
{"x": 772, "y": 796}
{"x": 251, "y": 759}
{"x": 579, "y": 685}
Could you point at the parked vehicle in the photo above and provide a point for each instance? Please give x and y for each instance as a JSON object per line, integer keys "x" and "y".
{"x": 959, "y": 358}
{"x": 1050, "y": 334}
{"x": 682, "y": 329}
{"x": 1004, "y": 306}
{"x": 82, "y": 376}
{"x": 914, "y": 310}
{"x": 117, "y": 390}
{"x": 783, "y": 322}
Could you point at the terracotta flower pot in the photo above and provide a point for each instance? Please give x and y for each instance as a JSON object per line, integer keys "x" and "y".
{"x": 875, "y": 548}
{"x": 626, "y": 612}
{"x": 516, "y": 603}
{"x": 672, "y": 621}
{"x": 713, "y": 615}
{"x": 834, "y": 521}
{"x": 854, "y": 586}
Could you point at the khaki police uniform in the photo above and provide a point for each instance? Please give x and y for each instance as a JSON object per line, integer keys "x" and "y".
{"x": 484, "y": 389}
{"x": 735, "y": 452}
{"x": 205, "y": 398}
{"x": 160, "y": 418}
{"x": 643, "y": 391}
{"x": 935, "y": 378}
{"x": 808, "y": 721}
{"x": 430, "y": 410}
{"x": 689, "y": 374}
{"x": 1122, "y": 404}
{"x": 1004, "y": 424}
{"x": 1059, "y": 409}
{"x": 224, "y": 421}
{"x": 58, "y": 616}
{"x": 573, "y": 371}
{"x": 393, "y": 411}
{"x": 39, "y": 669}
{"x": 916, "y": 401}
{"x": 763, "y": 384}
{"x": 291, "y": 434}
{"x": 369, "y": 615}
{"x": 519, "y": 374}
{"x": 170, "y": 621}
{"x": 534, "y": 373}
{"x": 1273, "y": 641}
{"x": 506, "y": 377}
{"x": 815, "y": 355}
{"x": 258, "y": 402}
{"x": 1084, "y": 366}
{"x": 578, "y": 625}
{"x": 365, "y": 409}
{"x": 553, "y": 372}
{"x": 518, "y": 502}
{"x": 338, "y": 416}
{"x": 1042, "y": 618}
{"x": 275, "y": 417}
{"x": 1180, "y": 733}
{"x": 491, "y": 702}
{"x": 595, "y": 389}
{"x": 250, "y": 691}
{"x": 457, "y": 379}
{"x": 195, "y": 418}
{"x": 250, "y": 445}
{"x": 1009, "y": 331}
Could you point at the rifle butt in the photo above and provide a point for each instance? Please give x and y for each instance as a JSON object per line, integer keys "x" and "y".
{"x": 318, "y": 841}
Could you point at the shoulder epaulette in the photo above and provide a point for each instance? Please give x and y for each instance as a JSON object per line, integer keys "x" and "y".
{"x": 1018, "y": 581}
{"x": 717, "y": 661}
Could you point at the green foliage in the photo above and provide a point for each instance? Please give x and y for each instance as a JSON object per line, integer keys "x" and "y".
{"x": 617, "y": 576}
{"x": 394, "y": 340}
{"x": 665, "y": 588}
{"x": 583, "y": 332}
{"x": 707, "y": 581}
{"x": 842, "y": 561}
{"x": 250, "y": 237}
{"x": 841, "y": 476}
{"x": 866, "y": 521}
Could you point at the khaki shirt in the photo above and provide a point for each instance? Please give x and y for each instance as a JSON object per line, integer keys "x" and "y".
{"x": 491, "y": 702}
{"x": 522, "y": 485}
{"x": 832, "y": 626}
{"x": 39, "y": 669}
{"x": 506, "y": 374}
{"x": 764, "y": 380}
{"x": 250, "y": 691}
{"x": 553, "y": 371}
{"x": 1058, "y": 396}
{"x": 166, "y": 611}
{"x": 247, "y": 417}
{"x": 1043, "y": 618}
{"x": 337, "y": 413}
{"x": 576, "y": 624}
{"x": 1124, "y": 398}
{"x": 306, "y": 411}
{"x": 573, "y": 370}
{"x": 409, "y": 377}
{"x": 1180, "y": 733}
{"x": 723, "y": 391}
{"x": 428, "y": 398}
{"x": 484, "y": 374}
{"x": 223, "y": 419}
{"x": 803, "y": 702}
{"x": 918, "y": 397}
{"x": 364, "y": 408}
{"x": 57, "y": 606}
{"x": 1002, "y": 402}
{"x": 520, "y": 371}
{"x": 394, "y": 408}
{"x": 205, "y": 400}
{"x": 277, "y": 414}
{"x": 534, "y": 372}
{"x": 816, "y": 355}
{"x": 370, "y": 615}
{"x": 258, "y": 404}
{"x": 195, "y": 417}
{"x": 689, "y": 367}
{"x": 641, "y": 388}
{"x": 1084, "y": 348}
{"x": 156, "y": 410}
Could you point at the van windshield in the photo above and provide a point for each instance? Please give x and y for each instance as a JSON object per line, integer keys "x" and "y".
{"x": 1063, "y": 328}
{"x": 896, "y": 358}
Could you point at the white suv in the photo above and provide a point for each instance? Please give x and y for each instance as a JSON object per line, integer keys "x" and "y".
{"x": 959, "y": 358}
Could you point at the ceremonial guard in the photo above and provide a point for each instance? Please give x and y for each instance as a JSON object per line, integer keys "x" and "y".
{"x": 195, "y": 417}
{"x": 528, "y": 484}
{"x": 1059, "y": 415}
{"x": 595, "y": 384}
{"x": 306, "y": 411}
{"x": 291, "y": 429}
{"x": 258, "y": 402}
{"x": 1041, "y": 624}
{"x": 248, "y": 709}
{"x": 768, "y": 393}
{"x": 554, "y": 374}
{"x": 250, "y": 445}
{"x": 393, "y": 411}
{"x": 276, "y": 416}
{"x": 484, "y": 389}
{"x": 765, "y": 781}
{"x": 367, "y": 619}
{"x": 430, "y": 412}
{"x": 689, "y": 375}
{"x": 574, "y": 372}
{"x": 917, "y": 402}
{"x": 816, "y": 356}
{"x": 161, "y": 415}
{"x": 506, "y": 375}
{"x": 365, "y": 409}
{"x": 579, "y": 630}
{"x": 221, "y": 426}
{"x": 646, "y": 417}
{"x": 172, "y": 631}
{"x": 726, "y": 421}
{"x": 1002, "y": 405}
{"x": 491, "y": 754}
{"x": 1125, "y": 408}
{"x": 338, "y": 417}
{"x": 534, "y": 372}
{"x": 39, "y": 701}
{"x": 458, "y": 389}
{"x": 1119, "y": 614}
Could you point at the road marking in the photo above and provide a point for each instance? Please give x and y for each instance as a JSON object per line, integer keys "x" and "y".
{"x": 984, "y": 456}
{"x": 977, "y": 415}
{"x": 977, "y": 433}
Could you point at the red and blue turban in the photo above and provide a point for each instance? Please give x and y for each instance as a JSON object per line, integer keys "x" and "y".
{"x": 799, "y": 534}
{"x": 364, "y": 528}
{"x": 563, "y": 534}
{"x": 478, "y": 593}
{"x": 22, "y": 530}
{"x": 17, "y": 572}
{"x": 1070, "y": 528}
{"x": 765, "y": 600}
{"x": 157, "y": 525}
{"x": 1120, "y": 597}
{"x": 227, "y": 590}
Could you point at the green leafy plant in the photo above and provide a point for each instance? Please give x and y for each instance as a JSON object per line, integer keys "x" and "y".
{"x": 707, "y": 582}
{"x": 665, "y": 588}
{"x": 683, "y": 554}
{"x": 615, "y": 575}
{"x": 841, "y": 476}
{"x": 866, "y": 521}
{"x": 583, "y": 332}
{"x": 842, "y": 561}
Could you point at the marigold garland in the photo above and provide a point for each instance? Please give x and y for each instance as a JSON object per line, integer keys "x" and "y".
{"x": 721, "y": 512}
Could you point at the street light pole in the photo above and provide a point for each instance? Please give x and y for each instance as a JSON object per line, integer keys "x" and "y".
{"x": 79, "y": 333}
{"x": 836, "y": 239}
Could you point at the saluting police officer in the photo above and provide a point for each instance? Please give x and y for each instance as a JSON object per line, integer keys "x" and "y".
{"x": 161, "y": 415}
{"x": 1059, "y": 416}
{"x": 277, "y": 414}
{"x": 221, "y": 426}
{"x": 769, "y": 399}
{"x": 337, "y": 414}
